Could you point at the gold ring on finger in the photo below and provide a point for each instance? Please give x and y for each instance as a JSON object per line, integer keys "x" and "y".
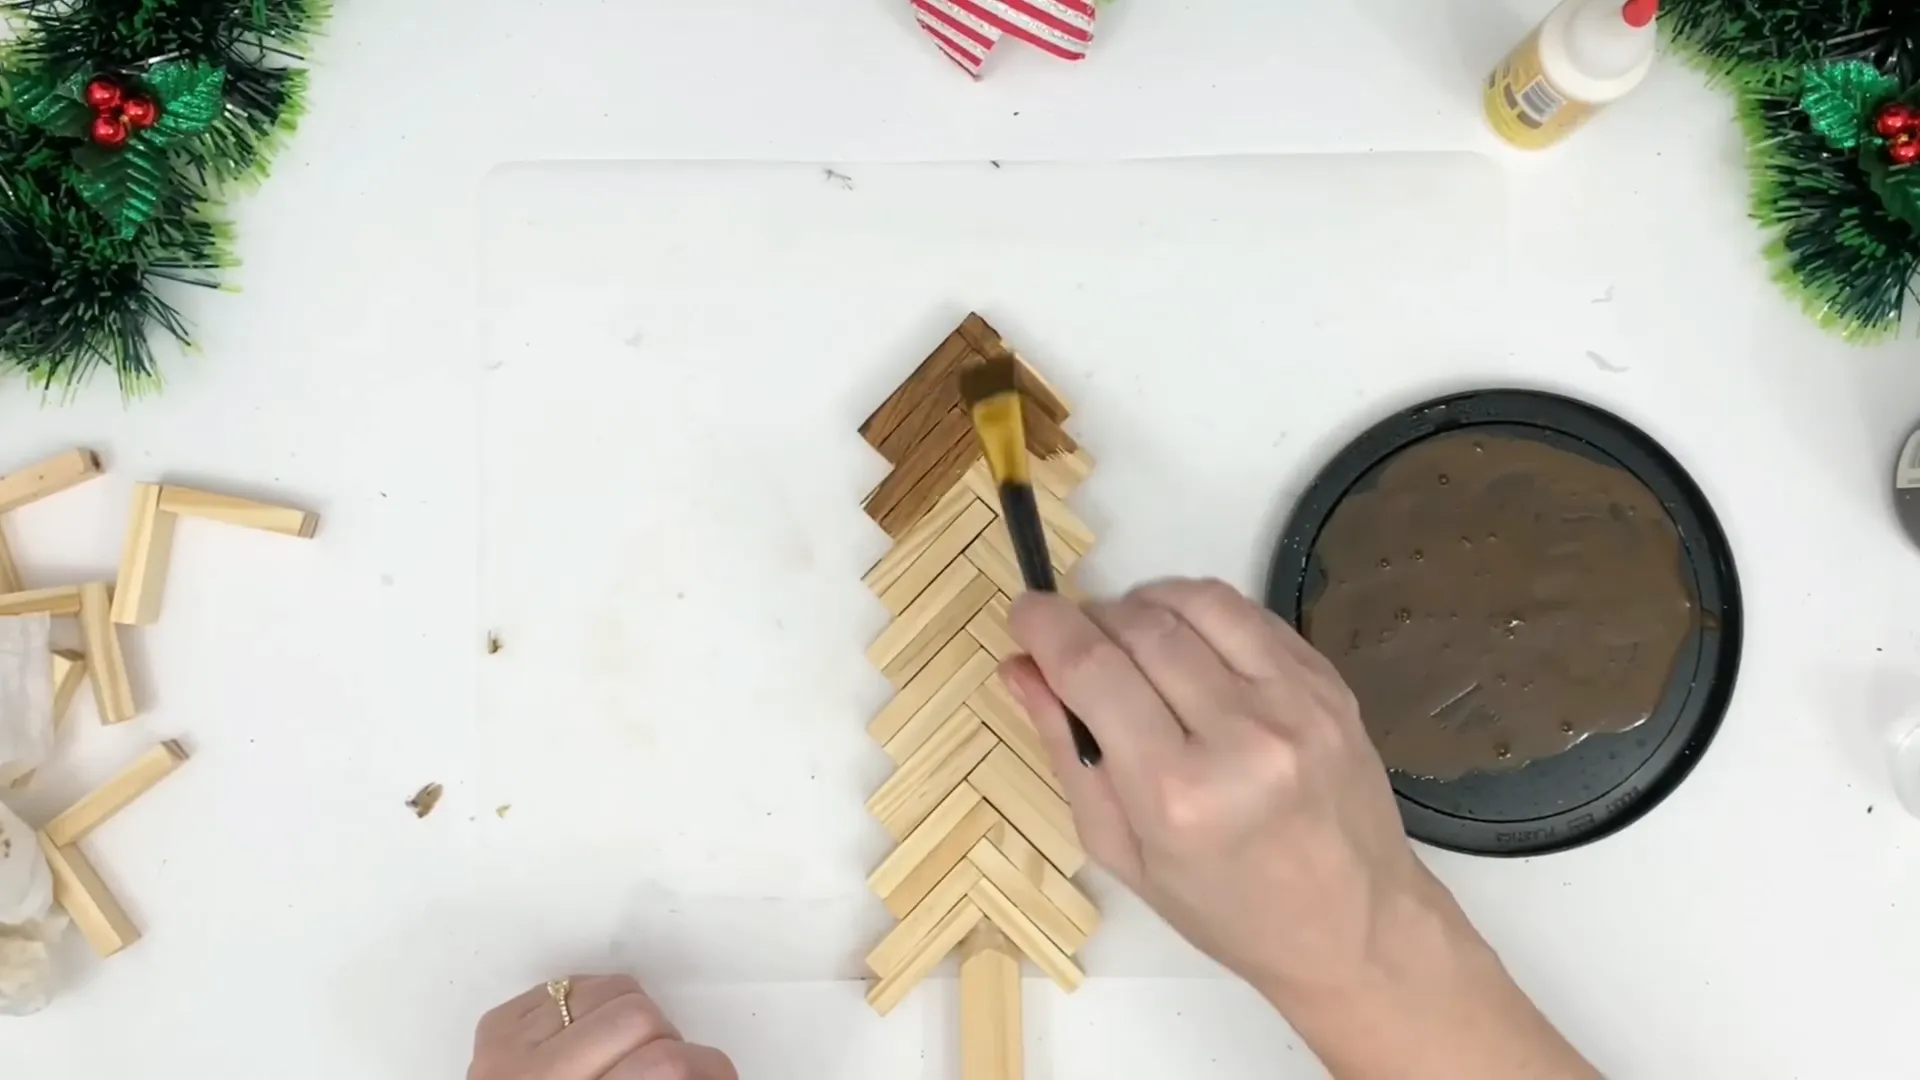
{"x": 558, "y": 991}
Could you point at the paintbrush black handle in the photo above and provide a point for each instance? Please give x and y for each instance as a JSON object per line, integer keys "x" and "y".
{"x": 1029, "y": 535}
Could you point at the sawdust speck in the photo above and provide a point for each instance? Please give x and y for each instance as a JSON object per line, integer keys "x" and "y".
{"x": 425, "y": 800}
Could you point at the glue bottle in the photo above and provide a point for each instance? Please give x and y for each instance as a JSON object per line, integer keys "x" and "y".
{"x": 1588, "y": 54}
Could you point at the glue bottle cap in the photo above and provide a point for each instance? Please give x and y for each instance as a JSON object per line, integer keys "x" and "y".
{"x": 1640, "y": 13}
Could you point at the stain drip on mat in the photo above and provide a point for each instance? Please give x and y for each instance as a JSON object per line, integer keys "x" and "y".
{"x": 1493, "y": 601}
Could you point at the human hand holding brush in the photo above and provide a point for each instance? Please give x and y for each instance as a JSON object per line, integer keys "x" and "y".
{"x": 1240, "y": 796}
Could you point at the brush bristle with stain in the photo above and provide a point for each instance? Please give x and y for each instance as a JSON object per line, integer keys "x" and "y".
{"x": 992, "y": 394}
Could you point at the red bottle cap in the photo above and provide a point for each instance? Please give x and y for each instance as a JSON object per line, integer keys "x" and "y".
{"x": 1640, "y": 13}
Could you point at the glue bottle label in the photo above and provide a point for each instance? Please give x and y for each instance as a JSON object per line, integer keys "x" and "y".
{"x": 1524, "y": 108}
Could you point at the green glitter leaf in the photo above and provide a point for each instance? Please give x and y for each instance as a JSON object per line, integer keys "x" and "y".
{"x": 53, "y": 105}
{"x": 1840, "y": 99}
{"x": 190, "y": 97}
{"x": 125, "y": 185}
{"x": 1898, "y": 186}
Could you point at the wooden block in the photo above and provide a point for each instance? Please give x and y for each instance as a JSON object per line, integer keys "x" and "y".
{"x": 64, "y": 600}
{"x": 893, "y": 989}
{"x": 1062, "y": 473}
{"x": 1026, "y": 895}
{"x": 905, "y": 939}
{"x": 931, "y": 773}
{"x": 1064, "y": 527}
{"x": 908, "y": 548}
{"x": 1029, "y": 805}
{"x": 1059, "y": 553}
{"x": 931, "y": 851}
{"x": 9, "y": 571}
{"x": 115, "y": 795}
{"x": 950, "y": 698}
{"x": 996, "y": 566}
{"x": 106, "y": 667}
{"x": 50, "y": 477}
{"x": 1062, "y": 523}
{"x": 1039, "y": 392}
{"x": 984, "y": 339}
{"x": 1019, "y": 929}
{"x": 904, "y": 859}
{"x": 917, "y": 483}
{"x": 930, "y": 622}
{"x": 933, "y": 402}
{"x": 994, "y": 704}
{"x": 229, "y": 510}
{"x": 920, "y": 690}
{"x": 930, "y": 386}
{"x": 69, "y": 671}
{"x": 939, "y": 554}
{"x": 92, "y": 907}
{"x": 1045, "y": 436}
{"x": 143, "y": 562}
{"x": 992, "y": 1046}
{"x": 1053, "y": 884}
{"x": 993, "y": 631}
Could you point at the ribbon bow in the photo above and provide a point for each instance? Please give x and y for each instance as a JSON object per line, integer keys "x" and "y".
{"x": 966, "y": 30}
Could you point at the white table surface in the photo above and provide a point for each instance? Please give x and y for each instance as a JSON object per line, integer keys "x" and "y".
{"x": 1762, "y": 923}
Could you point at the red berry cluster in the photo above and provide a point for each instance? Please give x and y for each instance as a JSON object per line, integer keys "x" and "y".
{"x": 1901, "y": 124}
{"x": 117, "y": 114}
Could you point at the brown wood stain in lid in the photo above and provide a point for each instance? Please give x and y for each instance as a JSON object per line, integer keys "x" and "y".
{"x": 1493, "y": 601}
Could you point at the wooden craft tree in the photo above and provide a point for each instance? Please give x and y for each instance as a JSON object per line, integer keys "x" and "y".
{"x": 987, "y": 848}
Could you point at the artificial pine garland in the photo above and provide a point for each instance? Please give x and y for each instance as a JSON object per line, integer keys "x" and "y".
{"x": 1829, "y": 94}
{"x": 123, "y": 126}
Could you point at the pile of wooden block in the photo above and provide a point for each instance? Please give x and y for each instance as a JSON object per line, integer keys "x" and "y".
{"x": 101, "y": 608}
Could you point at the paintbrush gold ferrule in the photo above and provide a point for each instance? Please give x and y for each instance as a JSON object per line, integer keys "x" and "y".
{"x": 998, "y": 422}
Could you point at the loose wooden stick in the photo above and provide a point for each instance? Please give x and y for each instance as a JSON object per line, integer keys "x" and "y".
{"x": 89, "y": 903}
{"x": 9, "y": 573}
{"x": 230, "y": 510}
{"x": 116, "y": 794}
{"x": 112, "y": 690}
{"x": 64, "y": 600}
{"x": 49, "y": 477}
{"x": 991, "y": 1042}
{"x": 143, "y": 562}
{"x": 69, "y": 671}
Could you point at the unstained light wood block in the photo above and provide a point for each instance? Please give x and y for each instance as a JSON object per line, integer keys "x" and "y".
{"x": 992, "y": 1045}
{"x": 116, "y": 794}
{"x": 49, "y": 477}
{"x": 230, "y": 510}
{"x": 143, "y": 562}
{"x": 106, "y": 665}
{"x": 63, "y": 600}
{"x": 77, "y": 888}
{"x": 9, "y": 570}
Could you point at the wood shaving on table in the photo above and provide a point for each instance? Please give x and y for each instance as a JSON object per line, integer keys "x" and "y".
{"x": 425, "y": 800}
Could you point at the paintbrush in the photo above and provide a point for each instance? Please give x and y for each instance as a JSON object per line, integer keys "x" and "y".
{"x": 993, "y": 397}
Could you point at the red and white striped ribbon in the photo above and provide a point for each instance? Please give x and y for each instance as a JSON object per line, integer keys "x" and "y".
{"x": 966, "y": 30}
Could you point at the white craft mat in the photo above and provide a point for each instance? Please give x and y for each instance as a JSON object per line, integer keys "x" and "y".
{"x": 672, "y": 540}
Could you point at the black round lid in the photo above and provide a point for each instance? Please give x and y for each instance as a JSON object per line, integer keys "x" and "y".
{"x": 1607, "y": 781}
